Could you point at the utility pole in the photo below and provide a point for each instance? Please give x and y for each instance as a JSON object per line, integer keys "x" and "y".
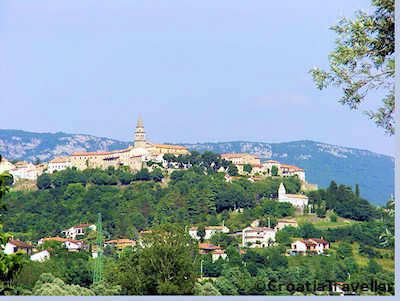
{"x": 201, "y": 269}
{"x": 98, "y": 264}
{"x": 269, "y": 222}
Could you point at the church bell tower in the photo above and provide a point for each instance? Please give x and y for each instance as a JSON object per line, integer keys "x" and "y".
{"x": 140, "y": 134}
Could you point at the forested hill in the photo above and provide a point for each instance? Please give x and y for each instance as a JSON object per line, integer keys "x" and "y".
{"x": 322, "y": 162}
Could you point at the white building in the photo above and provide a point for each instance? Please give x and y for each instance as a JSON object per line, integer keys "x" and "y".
{"x": 70, "y": 244}
{"x": 59, "y": 163}
{"x": 209, "y": 231}
{"x": 13, "y": 246}
{"x": 258, "y": 237}
{"x": 25, "y": 171}
{"x": 40, "y": 256}
{"x": 5, "y": 165}
{"x": 78, "y": 230}
{"x": 282, "y": 223}
{"x": 297, "y": 200}
{"x": 217, "y": 254}
{"x": 311, "y": 245}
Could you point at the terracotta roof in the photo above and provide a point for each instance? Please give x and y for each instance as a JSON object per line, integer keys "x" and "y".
{"x": 60, "y": 160}
{"x": 271, "y": 161}
{"x": 207, "y": 246}
{"x": 319, "y": 240}
{"x": 170, "y": 146}
{"x": 20, "y": 244}
{"x": 219, "y": 251}
{"x": 237, "y": 155}
{"x": 297, "y": 196}
{"x": 102, "y": 153}
{"x": 61, "y": 239}
{"x": 291, "y": 167}
{"x": 120, "y": 241}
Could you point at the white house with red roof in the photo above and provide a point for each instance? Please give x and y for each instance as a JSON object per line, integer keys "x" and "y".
{"x": 310, "y": 245}
{"x": 258, "y": 237}
{"x": 70, "y": 244}
{"x": 78, "y": 230}
{"x": 58, "y": 164}
{"x": 14, "y": 245}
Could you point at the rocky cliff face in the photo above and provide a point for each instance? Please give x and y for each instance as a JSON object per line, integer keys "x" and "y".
{"x": 322, "y": 162}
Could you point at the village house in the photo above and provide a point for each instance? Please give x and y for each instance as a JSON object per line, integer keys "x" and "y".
{"x": 241, "y": 159}
{"x": 5, "y": 166}
{"x": 258, "y": 237}
{"x": 206, "y": 248}
{"x": 25, "y": 171}
{"x": 209, "y": 231}
{"x": 120, "y": 243}
{"x": 79, "y": 230}
{"x": 40, "y": 256}
{"x": 282, "y": 223}
{"x": 299, "y": 201}
{"x": 58, "y": 164}
{"x": 217, "y": 254}
{"x": 72, "y": 245}
{"x": 14, "y": 246}
{"x": 291, "y": 170}
{"x": 309, "y": 246}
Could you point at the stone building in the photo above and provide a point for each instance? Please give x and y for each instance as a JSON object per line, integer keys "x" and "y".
{"x": 134, "y": 156}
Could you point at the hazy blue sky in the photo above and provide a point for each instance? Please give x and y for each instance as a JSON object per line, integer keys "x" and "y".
{"x": 196, "y": 70}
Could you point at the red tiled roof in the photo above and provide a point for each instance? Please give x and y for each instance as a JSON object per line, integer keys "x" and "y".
{"x": 207, "y": 246}
{"x": 20, "y": 244}
{"x": 170, "y": 146}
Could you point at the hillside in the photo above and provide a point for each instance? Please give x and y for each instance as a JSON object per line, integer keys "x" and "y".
{"x": 322, "y": 162}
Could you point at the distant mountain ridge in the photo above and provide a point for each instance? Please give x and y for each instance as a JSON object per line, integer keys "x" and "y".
{"x": 322, "y": 162}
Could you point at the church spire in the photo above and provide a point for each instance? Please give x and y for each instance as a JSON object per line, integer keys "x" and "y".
{"x": 140, "y": 134}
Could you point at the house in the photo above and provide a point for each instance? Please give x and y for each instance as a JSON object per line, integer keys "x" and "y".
{"x": 309, "y": 246}
{"x": 299, "y": 201}
{"x": 217, "y": 254}
{"x": 78, "y": 230}
{"x": 25, "y": 171}
{"x": 40, "y": 256}
{"x": 14, "y": 246}
{"x": 120, "y": 243}
{"x": 206, "y": 248}
{"x": 291, "y": 170}
{"x": 209, "y": 231}
{"x": 258, "y": 237}
{"x": 5, "y": 165}
{"x": 59, "y": 163}
{"x": 282, "y": 223}
{"x": 70, "y": 244}
{"x": 241, "y": 159}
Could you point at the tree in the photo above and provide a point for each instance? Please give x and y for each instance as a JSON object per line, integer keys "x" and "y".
{"x": 43, "y": 181}
{"x": 357, "y": 190}
{"x": 165, "y": 265}
{"x": 363, "y": 61}
{"x": 206, "y": 289}
{"x": 48, "y": 285}
{"x": 344, "y": 250}
{"x": 274, "y": 171}
{"x": 201, "y": 232}
{"x": 10, "y": 265}
{"x": 247, "y": 168}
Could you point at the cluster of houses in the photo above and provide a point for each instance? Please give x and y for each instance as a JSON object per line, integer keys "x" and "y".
{"x": 255, "y": 236}
{"x": 72, "y": 242}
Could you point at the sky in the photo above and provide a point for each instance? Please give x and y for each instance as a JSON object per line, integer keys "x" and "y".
{"x": 197, "y": 71}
